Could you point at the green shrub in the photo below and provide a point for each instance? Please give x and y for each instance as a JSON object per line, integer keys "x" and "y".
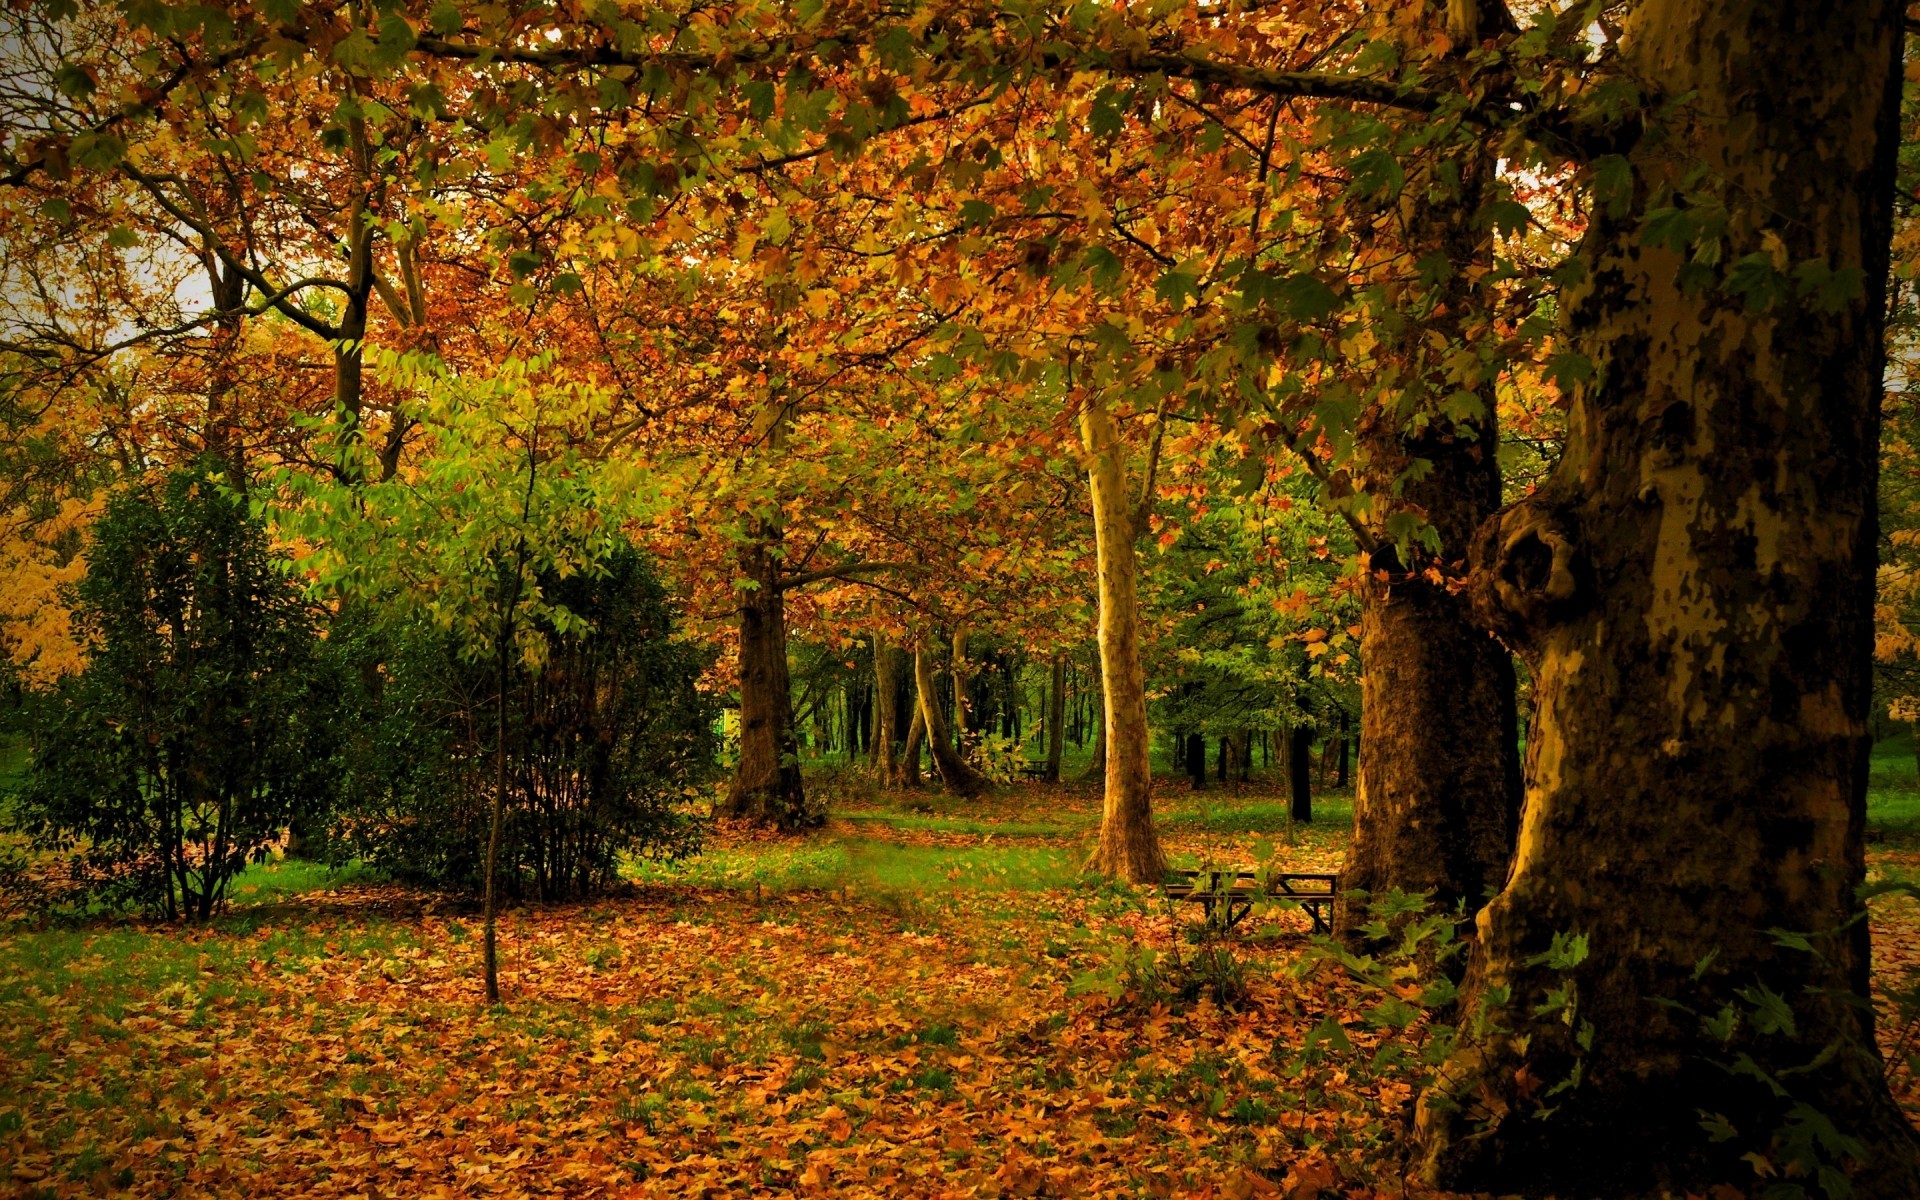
{"x": 201, "y": 724}
{"x": 603, "y": 745}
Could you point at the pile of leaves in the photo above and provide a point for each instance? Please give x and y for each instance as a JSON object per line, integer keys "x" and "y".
{"x": 978, "y": 1034}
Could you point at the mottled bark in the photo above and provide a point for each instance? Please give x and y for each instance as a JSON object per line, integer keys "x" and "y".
{"x": 766, "y": 786}
{"x": 961, "y": 779}
{"x": 1693, "y": 592}
{"x": 1129, "y": 847}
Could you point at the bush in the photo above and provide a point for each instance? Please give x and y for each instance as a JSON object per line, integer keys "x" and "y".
{"x": 603, "y": 745}
{"x": 200, "y": 726}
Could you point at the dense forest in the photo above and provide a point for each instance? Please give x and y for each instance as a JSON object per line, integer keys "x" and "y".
{"x": 1211, "y": 598}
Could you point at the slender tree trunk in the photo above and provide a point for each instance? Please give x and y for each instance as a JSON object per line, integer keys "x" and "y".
{"x": 1056, "y": 718}
{"x": 910, "y": 754}
{"x": 490, "y": 949}
{"x": 1342, "y": 766}
{"x": 886, "y": 763}
{"x": 960, "y": 693}
{"x": 1196, "y": 755}
{"x": 767, "y": 787}
{"x": 961, "y": 779}
{"x": 1693, "y": 590}
{"x": 1129, "y": 847}
{"x": 1299, "y": 772}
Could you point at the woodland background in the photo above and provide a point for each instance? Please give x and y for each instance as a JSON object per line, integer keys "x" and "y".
{"x": 772, "y": 526}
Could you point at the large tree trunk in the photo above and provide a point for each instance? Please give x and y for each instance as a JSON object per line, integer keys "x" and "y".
{"x": 1693, "y": 591}
{"x": 886, "y": 681}
{"x": 1129, "y": 847}
{"x": 961, "y": 779}
{"x": 1438, "y": 801}
{"x": 1057, "y": 718}
{"x": 766, "y": 784}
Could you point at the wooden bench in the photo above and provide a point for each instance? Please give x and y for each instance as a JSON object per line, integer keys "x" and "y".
{"x": 1034, "y": 770}
{"x": 1240, "y": 890}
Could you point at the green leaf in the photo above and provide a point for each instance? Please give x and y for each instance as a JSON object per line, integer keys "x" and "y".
{"x": 1508, "y": 217}
{"x": 976, "y": 213}
{"x": 1757, "y": 282}
{"x": 445, "y": 17}
{"x": 1176, "y": 287}
{"x": 97, "y": 151}
{"x": 1329, "y": 1033}
{"x": 73, "y": 81}
{"x": 1613, "y": 184}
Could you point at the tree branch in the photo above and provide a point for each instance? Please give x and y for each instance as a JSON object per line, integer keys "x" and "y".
{"x": 845, "y": 570}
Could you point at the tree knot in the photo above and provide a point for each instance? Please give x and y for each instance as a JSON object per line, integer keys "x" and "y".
{"x": 1524, "y": 571}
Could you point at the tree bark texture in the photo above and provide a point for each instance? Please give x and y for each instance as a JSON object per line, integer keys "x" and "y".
{"x": 1438, "y": 801}
{"x": 1129, "y": 847}
{"x": 1693, "y": 592}
{"x": 767, "y": 787}
{"x": 961, "y": 779}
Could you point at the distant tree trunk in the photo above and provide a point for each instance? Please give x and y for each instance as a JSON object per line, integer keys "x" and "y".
{"x": 961, "y": 779}
{"x": 886, "y": 670}
{"x": 1220, "y": 763}
{"x": 1196, "y": 755}
{"x": 1129, "y": 847}
{"x": 1299, "y": 771}
{"x": 766, "y": 788}
{"x": 960, "y": 677}
{"x": 1340, "y": 777}
{"x": 1693, "y": 591}
{"x": 910, "y": 754}
{"x": 1056, "y": 718}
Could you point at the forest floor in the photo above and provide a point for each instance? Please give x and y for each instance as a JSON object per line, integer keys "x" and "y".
{"x": 923, "y": 999}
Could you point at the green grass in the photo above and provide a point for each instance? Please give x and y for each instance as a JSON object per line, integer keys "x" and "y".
{"x": 865, "y": 865}
{"x": 1893, "y": 790}
{"x": 279, "y": 880}
{"x": 979, "y": 826}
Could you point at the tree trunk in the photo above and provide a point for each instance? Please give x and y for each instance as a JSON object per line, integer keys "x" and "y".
{"x": 767, "y": 788}
{"x": 959, "y": 669}
{"x": 1693, "y": 591}
{"x": 1299, "y": 773}
{"x": 1342, "y": 767}
{"x": 1437, "y": 806}
{"x": 1097, "y": 761}
{"x": 1196, "y": 755}
{"x": 910, "y": 751}
{"x": 490, "y": 904}
{"x": 1056, "y": 718}
{"x": 1129, "y": 847}
{"x": 886, "y": 669}
{"x": 961, "y": 779}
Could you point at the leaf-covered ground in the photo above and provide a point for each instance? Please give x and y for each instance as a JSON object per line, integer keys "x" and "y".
{"x": 923, "y": 1000}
